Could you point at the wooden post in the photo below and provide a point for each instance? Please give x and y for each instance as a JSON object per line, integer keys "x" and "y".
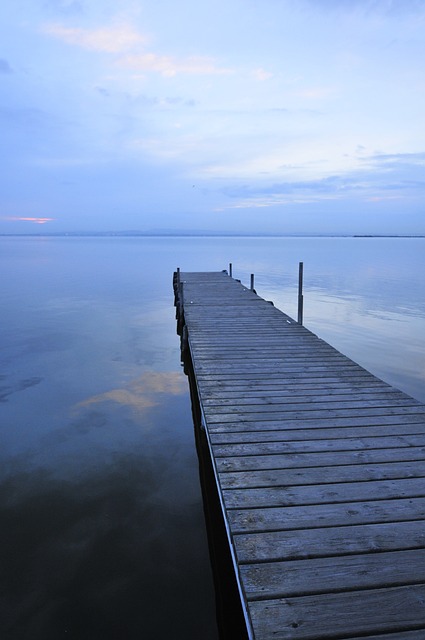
{"x": 300, "y": 293}
{"x": 230, "y": 270}
{"x": 178, "y": 275}
{"x": 252, "y": 282}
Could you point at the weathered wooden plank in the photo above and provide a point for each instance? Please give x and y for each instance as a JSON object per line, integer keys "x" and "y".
{"x": 228, "y": 347}
{"x": 404, "y": 421}
{"x": 323, "y": 493}
{"x": 247, "y": 397}
{"x": 330, "y": 515}
{"x": 418, "y": 634}
{"x": 334, "y": 434}
{"x": 270, "y": 354}
{"x": 325, "y": 475}
{"x": 320, "y": 403}
{"x": 314, "y": 414}
{"x": 268, "y": 546}
{"x": 341, "y": 615}
{"x": 275, "y": 448}
{"x": 271, "y": 580}
{"x": 320, "y": 459}
{"x": 248, "y": 401}
{"x": 306, "y": 386}
{"x": 278, "y": 376}
{"x": 263, "y": 367}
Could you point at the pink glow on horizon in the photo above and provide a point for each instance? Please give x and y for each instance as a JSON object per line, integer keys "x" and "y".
{"x": 34, "y": 220}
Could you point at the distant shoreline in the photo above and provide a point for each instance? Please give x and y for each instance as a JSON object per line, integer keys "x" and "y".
{"x": 141, "y": 234}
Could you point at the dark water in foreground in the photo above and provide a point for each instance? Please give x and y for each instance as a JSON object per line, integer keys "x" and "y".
{"x": 102, "y": 524}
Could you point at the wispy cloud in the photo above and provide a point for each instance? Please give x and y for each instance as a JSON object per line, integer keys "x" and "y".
{"x": 396, "y": 159}
{"x": 125, "y": 39}
{"x": 316, "y": 93}
{"x": 170, "y": 66}
{"x": 27, "y": 219}
{"x": 114, "y": 39}
{"x": 261, "y": 74}
{"x": 386, "y": 177}
{"x": 264, "y": 202}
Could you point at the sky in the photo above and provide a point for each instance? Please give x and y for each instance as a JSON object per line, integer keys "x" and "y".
{"x": 224, "y": 116}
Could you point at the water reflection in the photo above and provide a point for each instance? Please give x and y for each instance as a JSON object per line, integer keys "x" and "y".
{"x": 89, "y": 558}
{"x": 7, "y": 389}
{"x": 142, "y": 392}
{"x": 103, "y": 532}
{"x": 103, "y": 529}
{"x": 102, "y": 518}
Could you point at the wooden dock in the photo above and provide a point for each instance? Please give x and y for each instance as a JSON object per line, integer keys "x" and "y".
{"x": 320, "y": 470}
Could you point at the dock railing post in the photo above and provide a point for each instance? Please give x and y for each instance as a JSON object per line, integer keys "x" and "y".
{"x": 300, "y": 293}
{"x": 230, "y": 270}
{"x": 252, "y": 282}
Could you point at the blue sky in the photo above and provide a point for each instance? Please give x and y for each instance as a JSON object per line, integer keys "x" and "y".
{"x": 275, "y": 116}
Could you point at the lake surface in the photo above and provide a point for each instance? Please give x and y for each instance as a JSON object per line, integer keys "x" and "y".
{"x": 102, "y": 520}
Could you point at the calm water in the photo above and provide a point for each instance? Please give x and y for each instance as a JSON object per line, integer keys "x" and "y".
{"x": 102, "y": 527}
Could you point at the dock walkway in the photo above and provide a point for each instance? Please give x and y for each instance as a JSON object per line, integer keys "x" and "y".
{"x": 320, "y": 470}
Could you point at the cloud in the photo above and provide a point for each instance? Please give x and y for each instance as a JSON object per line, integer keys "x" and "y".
{"x": 316, "y": 93}
{"x": 115, "y": 39}
{"x": 169, "y": 66}
{"x": 5, "y": 66}
{"x": 261, "y": 74}
{"x": 301, "y": 196}
{"x": 142, "y": 392}
{"x": 379, "y": 178}
{"x": 34, "y": 220}
{"x": 124, "y": 38}
{"x": 163, "y": 102}
{"x": 394, "y": 159}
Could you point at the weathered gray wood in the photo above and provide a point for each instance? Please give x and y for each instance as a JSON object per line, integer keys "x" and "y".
{"x": 274, "y": 448}
{"x": 418, "y": 634}
{"x": 320, "y": 467}
{"x": 321, "y": 404}
{"x": 313, "y": 414}
{"x": 325, "y": 475}
{"x": 288, "y": 400}
{"x": 247, "y": 398}
{"x": 320, "y": 459}
{"x": 329, "y": 541}
{"x": 319, "y": 439}
{"x": 272, "y": 580}
{"x": 322, "y": 375}
{"x": 341, "y": 615}
{"x": 331, "y": 515}
{"x": 402, "y": 420}
{"x": 323, "y": 493}
{"x": 237, "y": 390}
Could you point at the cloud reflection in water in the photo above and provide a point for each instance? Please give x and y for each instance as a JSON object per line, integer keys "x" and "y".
{"x": 142, "y": 392}
{"x": 102, "y": 524}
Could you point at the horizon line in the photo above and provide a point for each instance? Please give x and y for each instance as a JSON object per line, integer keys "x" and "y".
{"x": 196, "y": 234}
